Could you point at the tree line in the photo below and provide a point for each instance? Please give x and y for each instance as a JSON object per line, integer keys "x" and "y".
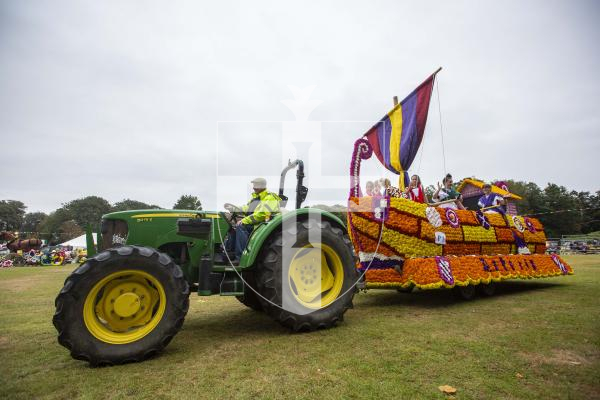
{"x": 562, "y": 211}
{"x": 69, "y": 221}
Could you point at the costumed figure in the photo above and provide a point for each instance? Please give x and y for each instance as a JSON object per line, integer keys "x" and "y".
{"x": 492, "y": 202}
{"x": 447, "y": 195}
{"x": 414, "y": 191}
{"x": 390, "y": 190}
{"x": 369, "y": 187}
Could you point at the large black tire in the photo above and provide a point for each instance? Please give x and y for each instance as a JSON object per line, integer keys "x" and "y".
{"x": 73, "y": 333}
{"x": 250, "y": 299}
{"x": 271, "y": 276}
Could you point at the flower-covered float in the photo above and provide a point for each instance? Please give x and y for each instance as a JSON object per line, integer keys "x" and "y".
{"x": 403, "y": 244}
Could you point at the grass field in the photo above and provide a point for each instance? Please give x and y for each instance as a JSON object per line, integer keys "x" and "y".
{"x": 534, "y": 339}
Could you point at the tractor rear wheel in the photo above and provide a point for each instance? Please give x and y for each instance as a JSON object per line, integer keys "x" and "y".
{"x": 123, "y": 305}
{"x": 308, "y": 285}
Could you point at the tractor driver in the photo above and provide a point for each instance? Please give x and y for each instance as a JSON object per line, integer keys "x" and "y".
{"x": 258, "y": 209}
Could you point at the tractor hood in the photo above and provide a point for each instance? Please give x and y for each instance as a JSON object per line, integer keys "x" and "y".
{"x": 148, "y": 227}
{"x": 145, "y": 214}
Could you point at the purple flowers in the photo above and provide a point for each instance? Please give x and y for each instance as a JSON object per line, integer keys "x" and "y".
{"x": 483, "y": 220}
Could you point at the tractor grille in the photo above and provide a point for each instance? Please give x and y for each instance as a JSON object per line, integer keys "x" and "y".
{"x": 114, "y": 233}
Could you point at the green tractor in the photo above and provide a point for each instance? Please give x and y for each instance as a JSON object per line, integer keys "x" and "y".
{"x": 130, "y": 298}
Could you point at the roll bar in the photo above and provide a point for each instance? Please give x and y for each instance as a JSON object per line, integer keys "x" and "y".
{"x": 301, "y": 190}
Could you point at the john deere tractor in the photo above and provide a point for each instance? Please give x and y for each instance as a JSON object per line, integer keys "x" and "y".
{"x": 130, "y": 298}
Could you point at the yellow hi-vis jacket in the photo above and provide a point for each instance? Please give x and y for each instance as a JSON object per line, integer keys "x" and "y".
{"x": 261, "y": 205}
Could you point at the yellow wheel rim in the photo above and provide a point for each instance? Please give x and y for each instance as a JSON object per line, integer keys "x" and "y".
{"x": 124, "y": 307}
{"x": 316, "y": 276}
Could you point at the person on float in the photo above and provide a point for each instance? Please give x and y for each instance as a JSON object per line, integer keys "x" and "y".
{"x": 389, "y": 190}
{"x": 414, "y": 190}
{"x": 447, "y": 192}
{"x": 492, "y": 202}
{"x": 369, "y": 187}
{"x": 377, "y": 188}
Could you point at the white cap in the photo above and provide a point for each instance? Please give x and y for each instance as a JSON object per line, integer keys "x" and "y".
{"x": 259, "y": 183}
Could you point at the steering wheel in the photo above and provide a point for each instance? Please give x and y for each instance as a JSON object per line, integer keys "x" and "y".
{"x": 234, "y": 213}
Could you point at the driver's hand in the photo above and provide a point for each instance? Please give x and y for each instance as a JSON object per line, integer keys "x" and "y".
{"x": 239, "y": 222}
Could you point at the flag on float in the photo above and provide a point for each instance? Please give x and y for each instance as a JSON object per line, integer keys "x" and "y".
{"x": 396, "y": 138}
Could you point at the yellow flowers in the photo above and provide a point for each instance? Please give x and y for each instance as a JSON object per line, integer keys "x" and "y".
{"x": 410, "y": 246}
{"x": 479, "y": 234}
{"x": 408, "y": 206}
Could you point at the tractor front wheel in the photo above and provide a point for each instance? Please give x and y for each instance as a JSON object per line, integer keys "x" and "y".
{"x": 306, "y": 275}
{"x": 123, "y": 305}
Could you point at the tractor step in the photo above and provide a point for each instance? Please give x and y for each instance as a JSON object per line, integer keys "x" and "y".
{"x": 226, "y": 283}
{"x": 232, "y": 284}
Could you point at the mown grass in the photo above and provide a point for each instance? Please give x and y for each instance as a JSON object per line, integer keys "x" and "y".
{"x": 391, "y": 345}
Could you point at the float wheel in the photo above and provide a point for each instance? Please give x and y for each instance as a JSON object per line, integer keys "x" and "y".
{"x": 487, "y": 289}
{"x": 465, "y": 292}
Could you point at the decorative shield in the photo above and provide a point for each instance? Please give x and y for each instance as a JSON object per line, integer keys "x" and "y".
{"x": 559, "y": 264}
{"x": 452, "y": 218}
{"x": 433, "y": 217}
{"x": 529, "y": 225}
{"x": 444, "y": 270}
{"x": 518, "y": 224}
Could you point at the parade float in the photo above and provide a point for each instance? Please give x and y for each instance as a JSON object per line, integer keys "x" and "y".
{"x": 14, "y": 244}
{"x": 54, "y": 257}
{"x": 403, "y": 244}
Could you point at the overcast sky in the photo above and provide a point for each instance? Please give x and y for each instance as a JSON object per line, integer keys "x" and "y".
{"x": 151, "y": 100}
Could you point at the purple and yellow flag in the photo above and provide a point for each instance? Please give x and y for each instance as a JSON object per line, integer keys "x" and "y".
{"x": 397, "y": 137}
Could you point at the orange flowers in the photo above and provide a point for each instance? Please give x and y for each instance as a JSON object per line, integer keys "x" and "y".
{"x": 459, "y": 249}
{"x": 504, "y": 235}
{"x": 495, "y": 249}
{"x": 468, "y": 270}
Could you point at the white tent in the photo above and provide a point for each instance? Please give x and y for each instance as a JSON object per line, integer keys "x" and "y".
{"x": 79, "y": 241}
